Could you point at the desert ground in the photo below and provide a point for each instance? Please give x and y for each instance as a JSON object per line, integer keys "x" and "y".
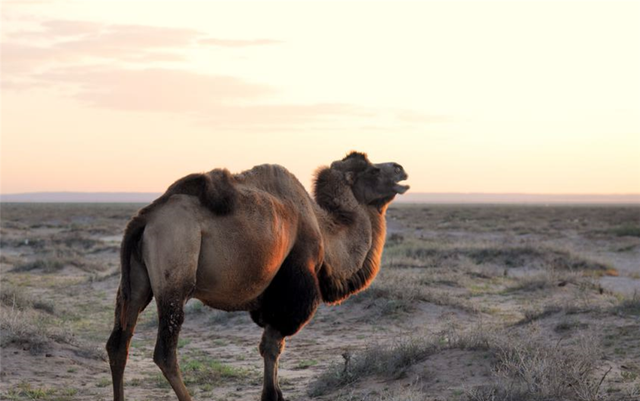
{"x": 472, "y": 303}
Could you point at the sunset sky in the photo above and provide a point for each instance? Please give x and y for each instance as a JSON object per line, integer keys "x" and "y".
{"x": 530, "y": 97}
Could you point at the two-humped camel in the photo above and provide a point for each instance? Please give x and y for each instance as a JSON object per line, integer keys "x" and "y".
{"x": 254, "y": 241}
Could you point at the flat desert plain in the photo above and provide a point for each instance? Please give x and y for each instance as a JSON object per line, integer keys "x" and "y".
{"x": 472, "y": 303}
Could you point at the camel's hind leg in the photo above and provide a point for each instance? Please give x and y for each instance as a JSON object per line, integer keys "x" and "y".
{"x": 171, "y": 317}
{"x": 120, "y": 339}
{"x": 171, "y": 248}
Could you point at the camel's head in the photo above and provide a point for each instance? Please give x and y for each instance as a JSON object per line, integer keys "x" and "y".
{"x": 372, "y": 184}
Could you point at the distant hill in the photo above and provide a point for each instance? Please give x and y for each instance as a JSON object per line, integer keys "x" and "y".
{"x": 456, "y": 198}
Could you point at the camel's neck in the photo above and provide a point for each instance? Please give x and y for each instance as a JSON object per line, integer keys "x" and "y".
{"x": 353, "y": 237}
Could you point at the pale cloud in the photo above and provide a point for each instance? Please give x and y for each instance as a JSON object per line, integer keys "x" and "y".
{"x": 74, "y": 42}
{"x": 125, "y": 67}
{"x": 410, "y": 116}
{"x": 281, "y": 116}
{"x": 58, "y": 28}
{"x": 238, "y": 43}
{"x": 126, "y": 38}
{"x": 73, "y": 55}
{"x": 19, "y": 59}
{"x": 219, "y": 101}
{"x": 156, "y": 90}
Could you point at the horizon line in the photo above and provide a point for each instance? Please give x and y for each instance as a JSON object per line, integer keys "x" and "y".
{"x": 416, "y": 197}
{"x": 411, "y": 193}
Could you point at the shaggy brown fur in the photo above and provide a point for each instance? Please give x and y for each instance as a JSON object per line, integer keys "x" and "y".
{"x": 254, "y": 241}
{"x": 335, "y": 289}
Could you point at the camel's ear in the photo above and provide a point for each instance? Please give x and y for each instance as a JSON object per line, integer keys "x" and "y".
{"x": 350, "y": 176}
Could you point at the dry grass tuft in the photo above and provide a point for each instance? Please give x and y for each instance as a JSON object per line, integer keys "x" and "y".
{"x": 50, "y": 264}
{"x": 378, "y": 360}
{"x": 527, "y": 368}
{"x": 31, "y": 330}
{"x": 627, "y": 230}
{"x": 541, "y": 372}
{"x": 22, "y": 323}
{"x": 12, "y": 298}
{"x": 545, "y": 280}
{"x": 629, "y": 305}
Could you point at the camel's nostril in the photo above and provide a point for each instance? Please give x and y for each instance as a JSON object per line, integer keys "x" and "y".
{"x": 402, "y": 177}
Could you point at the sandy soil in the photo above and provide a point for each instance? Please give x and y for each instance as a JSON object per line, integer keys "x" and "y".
{"x": 59, "y": 266}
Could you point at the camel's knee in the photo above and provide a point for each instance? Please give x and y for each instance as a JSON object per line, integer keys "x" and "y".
{"x": 117, "y": 345}
{"x": 114, "y": 351}
{"x": 164, "y": 354}
{"x": 272, "y": 344}
{"x": 114, "y": 342}
{"x": 271, "y": 350}
{"x": 166, "y": 361}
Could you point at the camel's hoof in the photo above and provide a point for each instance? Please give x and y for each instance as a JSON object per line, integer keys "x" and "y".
{"x": 275, "y": 396}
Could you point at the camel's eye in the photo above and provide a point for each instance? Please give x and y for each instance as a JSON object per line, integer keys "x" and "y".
{"x": 375, "y": 171}
{"x": 398, "y": 169}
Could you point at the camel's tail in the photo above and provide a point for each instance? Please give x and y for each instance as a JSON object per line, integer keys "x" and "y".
{"x": 129, "y": 249}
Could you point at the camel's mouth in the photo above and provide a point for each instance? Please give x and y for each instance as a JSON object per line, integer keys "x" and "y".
{"x": 400, "y": 188}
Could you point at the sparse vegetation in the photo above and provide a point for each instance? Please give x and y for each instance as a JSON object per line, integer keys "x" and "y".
{"x": 545, "y": 280}
{"x": 399, "y": 291}
{"x": 629, "y": 305}
{"x": 306, "y": 363}
{"x": 31, "y": 330}
{"x": 12, "y": 298}
{"x": 511, "y": 299}
{"x": 627, "y": 230}
{"x": 409, "y": 393}
{"x": 26, "y": 390}
{"x": 526, "y": 367}
{"x": 104, "y": 382}
{"x": 428, "y": 254}
{"x": 377, "y": 360}
{"x": 48, "y": 265}
{"x": 201, "y": 369}
{"x": 538, "y": 371}
{"x": 569, "y": 324}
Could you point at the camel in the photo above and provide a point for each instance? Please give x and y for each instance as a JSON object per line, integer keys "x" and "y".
{"x": 254, "y": 241}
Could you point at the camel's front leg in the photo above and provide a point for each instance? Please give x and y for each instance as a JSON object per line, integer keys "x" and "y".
{"x": 271, "y": 347}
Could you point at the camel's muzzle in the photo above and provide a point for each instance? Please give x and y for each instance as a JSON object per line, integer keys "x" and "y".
{"x": 397, "y": 174}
